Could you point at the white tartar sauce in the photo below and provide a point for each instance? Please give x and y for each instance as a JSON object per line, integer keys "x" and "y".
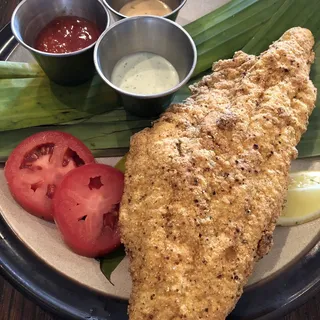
{"x": 144, "y": 73}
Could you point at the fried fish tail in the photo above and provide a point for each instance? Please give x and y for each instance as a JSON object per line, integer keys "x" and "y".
{"x": 205, "y": 185}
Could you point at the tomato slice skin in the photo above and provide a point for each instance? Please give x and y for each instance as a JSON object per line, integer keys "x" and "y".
{"x": 86, "y": 209}
{"x": 37, "y": 165}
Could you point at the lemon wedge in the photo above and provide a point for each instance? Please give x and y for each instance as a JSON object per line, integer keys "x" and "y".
{"x": 303, "y": 200}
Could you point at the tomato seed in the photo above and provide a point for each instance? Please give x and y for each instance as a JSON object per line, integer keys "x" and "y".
{"x": 25, "y": 166}
{"x": 47, "y": 149}
{"x": 72, "y": 155}
{"x": 50, "y": 190}
{"x": 33, "y": 157}
{"x": 65, "y": 162}
{"x": 35, "y": 154}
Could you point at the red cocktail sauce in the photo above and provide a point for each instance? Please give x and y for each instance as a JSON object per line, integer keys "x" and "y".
{"x": 67, "y": 34}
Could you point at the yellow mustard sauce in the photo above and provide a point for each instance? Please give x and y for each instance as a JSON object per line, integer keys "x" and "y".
{"x": 145, "y": 7}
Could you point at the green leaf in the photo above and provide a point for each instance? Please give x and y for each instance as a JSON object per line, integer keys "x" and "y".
{"x": 121, "y": 165}
{"x": 222, "y": 32}
{"x": 106, "y": 135}
{"x": 292, "y": 13}
{"x": 27, "y": 102}
{"x": 110, "y": 262}
{"x": 305, "y": 14}
{"x": 309, "y": 145}
{"x": 9, "y": 70}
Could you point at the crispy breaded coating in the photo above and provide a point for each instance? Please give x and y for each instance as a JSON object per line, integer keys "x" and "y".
{"x": 205, "y": 185}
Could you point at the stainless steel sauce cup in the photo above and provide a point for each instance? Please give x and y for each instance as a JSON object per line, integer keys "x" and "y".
{"x": 146, "y": 34}
{"x": 31, "y": 16}
{"x": 116, "y": 5}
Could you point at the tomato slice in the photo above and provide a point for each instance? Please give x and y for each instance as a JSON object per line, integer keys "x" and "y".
{"x": 86, "y": 209}
{"x": 37, "y": 165}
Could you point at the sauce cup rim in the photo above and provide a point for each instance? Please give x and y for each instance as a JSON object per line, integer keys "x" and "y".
{"x": 146, "y": 96}
{"x": 183, "y": 2}
{"x": 48, "y": 54}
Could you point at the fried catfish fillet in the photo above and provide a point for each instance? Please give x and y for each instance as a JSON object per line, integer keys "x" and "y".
{"x": 205, "y": 185}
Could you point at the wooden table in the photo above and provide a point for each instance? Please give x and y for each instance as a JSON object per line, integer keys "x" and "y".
{"x": 14, "y": 306}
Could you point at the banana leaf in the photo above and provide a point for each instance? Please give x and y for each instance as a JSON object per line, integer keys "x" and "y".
{"x": 28, "y": 99}
{"x": 28, "y": 102}
{"x": 106, "y": 135}
{"x": 305, "y": 14}
{"x": 222, "y": 32}
{"x": 110, "y": 262}
{"x": 310, "y": 143}
{"x": 10, "y": 70}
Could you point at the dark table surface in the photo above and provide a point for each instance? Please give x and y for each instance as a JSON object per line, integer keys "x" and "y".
{"x": 14, "y": 306}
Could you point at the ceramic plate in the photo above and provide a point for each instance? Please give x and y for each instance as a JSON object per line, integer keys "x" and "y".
{"x": 34, "y": 257}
